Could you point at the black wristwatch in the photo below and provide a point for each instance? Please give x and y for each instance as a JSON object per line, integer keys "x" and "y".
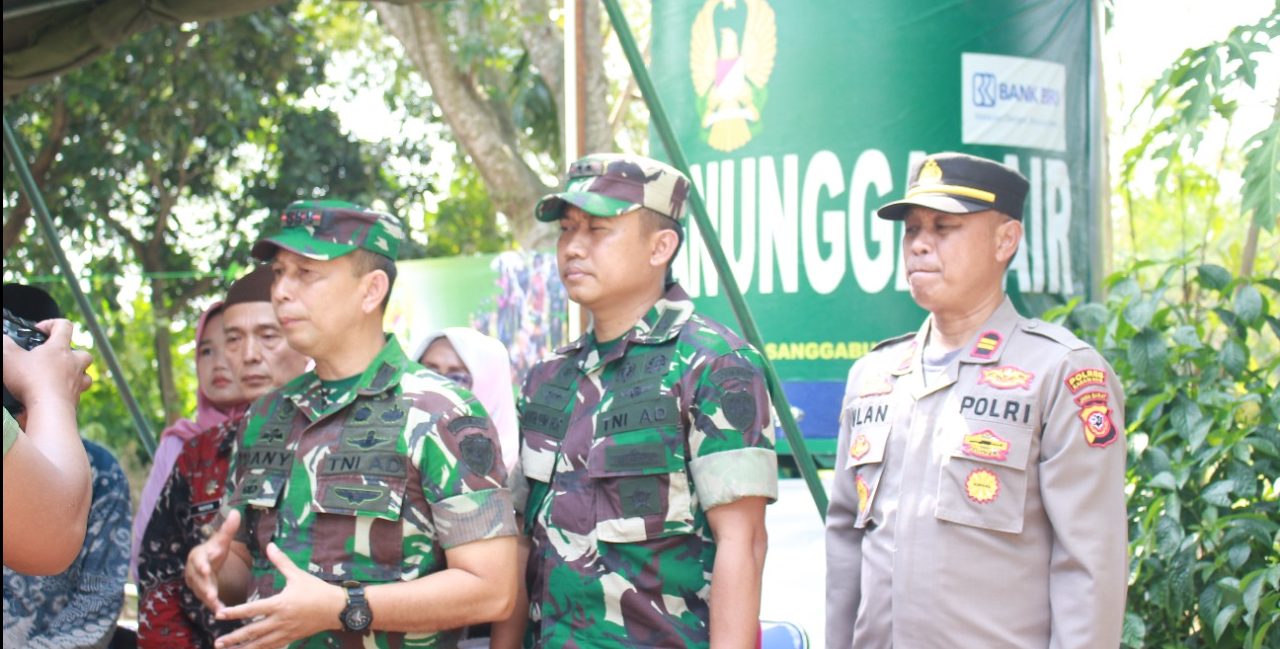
{"x": 356, "y": 616}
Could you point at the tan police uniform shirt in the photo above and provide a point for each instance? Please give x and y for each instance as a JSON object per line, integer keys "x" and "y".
{"x": 984, "y": 506}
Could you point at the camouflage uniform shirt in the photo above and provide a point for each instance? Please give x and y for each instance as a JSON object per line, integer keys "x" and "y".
{"x": 169, "y": 613}
{"x": 623, "y": 454}
{"x": 371, "y": 484}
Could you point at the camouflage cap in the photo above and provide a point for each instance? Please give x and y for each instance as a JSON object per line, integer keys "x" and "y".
{"x": 610, "y": 184}
{"x": 324, "y": 230}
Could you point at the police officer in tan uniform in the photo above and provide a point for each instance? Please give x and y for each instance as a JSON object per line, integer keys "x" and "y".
{"x": 979, "y": 493}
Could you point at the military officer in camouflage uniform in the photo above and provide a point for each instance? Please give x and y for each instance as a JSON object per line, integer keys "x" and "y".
{"x": 646, "y": 445}
{"x": 367, "y": 499}
{"x": 979, "y": 491}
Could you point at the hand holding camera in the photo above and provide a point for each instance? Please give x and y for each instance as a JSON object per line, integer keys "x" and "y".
{"x": 39, "y": 363}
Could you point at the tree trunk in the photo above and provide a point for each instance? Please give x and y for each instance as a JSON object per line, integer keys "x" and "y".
{"x": 476, "y": 121}
{"x": 599, "y": 134}
{"x": 1250, "y": 251}
{"x": 163, "y": 343}
{"x": 514, "y": 187}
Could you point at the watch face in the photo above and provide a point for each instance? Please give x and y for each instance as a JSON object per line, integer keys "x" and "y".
{"x": 356, "y": 619}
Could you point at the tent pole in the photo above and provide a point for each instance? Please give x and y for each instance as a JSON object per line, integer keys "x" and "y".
{"x": 19, "y": 9}
{"x": 41, "y": 211}
{"x": 658, "y": 115}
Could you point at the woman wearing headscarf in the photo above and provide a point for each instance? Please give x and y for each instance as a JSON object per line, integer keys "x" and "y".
{"x": 482, "y": 365}
{"x": 217, "y": 400}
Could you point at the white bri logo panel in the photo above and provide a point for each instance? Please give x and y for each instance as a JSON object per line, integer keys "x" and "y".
{"x": 1012, "y": 101}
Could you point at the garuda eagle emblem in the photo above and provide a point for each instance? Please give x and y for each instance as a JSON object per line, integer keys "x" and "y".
{"x": 730, "y": 71}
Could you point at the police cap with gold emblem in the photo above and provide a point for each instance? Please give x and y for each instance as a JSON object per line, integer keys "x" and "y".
{"x": 324, "y": 230}
{"x": 959, "y": 183}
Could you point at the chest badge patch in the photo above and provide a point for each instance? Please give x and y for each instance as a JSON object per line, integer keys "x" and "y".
{"x": 987, "y": 445}
{"x": 1099, "y": 430}
{"x": 1006, "y": 377}
{"x": 864, "y": 493}
{"x": 982, "y": 486}
{"x": 875, "y": 385}
{"x": 1085, "y": 378}
{"x": 904, "y": 365}
{"x": 860, "y": 446}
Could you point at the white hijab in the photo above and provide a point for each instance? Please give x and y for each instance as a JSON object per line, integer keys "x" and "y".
{"x": 491, "y": 380}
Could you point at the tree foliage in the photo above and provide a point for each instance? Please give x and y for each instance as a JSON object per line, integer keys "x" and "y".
{"x": 165, "y": 160}
{"x": 1200, "y": 88}
{"x": 1203, "y": 425}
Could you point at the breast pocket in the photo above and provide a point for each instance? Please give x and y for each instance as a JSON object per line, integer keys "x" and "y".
{"x": 641, "y": 486}
{"x": 983, "y": 481}
{"x": 357, "y": 517}
{"x": 263, "y": 473}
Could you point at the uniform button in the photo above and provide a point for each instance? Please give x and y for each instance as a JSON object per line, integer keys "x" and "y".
{"x": 1031, "y": 324}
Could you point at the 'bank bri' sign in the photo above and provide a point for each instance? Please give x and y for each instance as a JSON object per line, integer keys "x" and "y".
{"x": 800, "y": 118}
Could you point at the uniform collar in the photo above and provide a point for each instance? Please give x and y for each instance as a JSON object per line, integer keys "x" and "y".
{"x": 307, "y": 392}
{"x": 660, "y": 324}
{"x": 986, "y": 346}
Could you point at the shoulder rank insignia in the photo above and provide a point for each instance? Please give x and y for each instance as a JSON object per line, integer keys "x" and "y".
{"x": 987, "y": 345}
{"x": 1006, "y": 377}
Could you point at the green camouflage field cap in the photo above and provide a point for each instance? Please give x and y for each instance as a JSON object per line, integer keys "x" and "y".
{"x": 324, "y": 230}
{"x": 609, "y": 184}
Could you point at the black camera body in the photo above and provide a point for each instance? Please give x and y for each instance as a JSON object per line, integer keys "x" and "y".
{"x": 24, "y": 333}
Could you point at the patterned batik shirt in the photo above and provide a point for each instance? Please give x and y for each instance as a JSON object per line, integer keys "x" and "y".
{"x": 78, "y": 608}
{"x": 372, "y": 484}
{"x": 623, "y": 455}
{"x": 169, "y": 613}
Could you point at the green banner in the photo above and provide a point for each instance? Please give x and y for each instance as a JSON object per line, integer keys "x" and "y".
{"x": 800, "y": 118}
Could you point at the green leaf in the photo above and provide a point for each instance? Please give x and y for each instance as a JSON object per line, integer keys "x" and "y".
{"x": 1234, "y": 356}
{"x": 1126, "y": 287}
{"x": 1238, "y": 554}
{"x": 1139, "y": 312}
{"x": 1090, "y": 317}
{"x": 1213, "y": 276}
{"x": 1261, "y": 192}
{"x": 1225, "y": 616}
{"x": 1187, "y": 336}
{"x": 1135, "y": 630}
{"x": 1219, "y": 493}
{"x": 1198, "y": 433}
{"x": 1148, "y": 353}
{"x": 1185, "y": 414}
{"x": 1169, "y": 535}
{"x": 1163, "y": 480}
{"x": 1252, "y": 592}
{"x": 1248, "y": 304}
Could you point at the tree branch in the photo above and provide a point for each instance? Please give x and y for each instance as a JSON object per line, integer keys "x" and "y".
{"x": 40, "y": 169}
